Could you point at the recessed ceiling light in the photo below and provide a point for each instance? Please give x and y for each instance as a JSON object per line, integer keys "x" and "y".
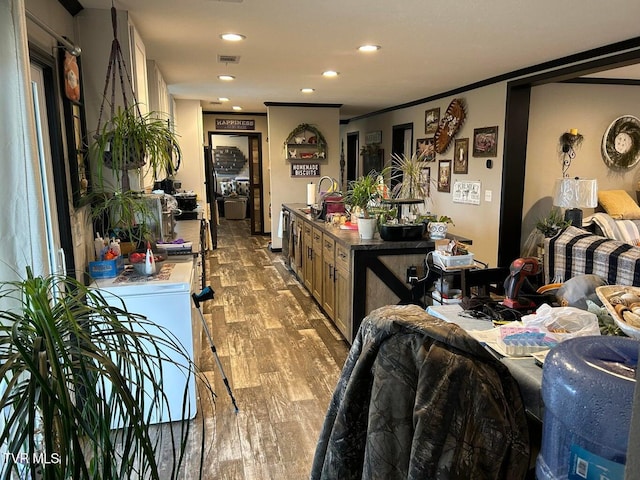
{"x": 226, "y": 78}
{"x": 236, "y": 107}
{"x": 369, "y": 48}
{"x": 330, "y": 73}
{"x": 307, "y": 90}
{"x": 223, "y": 99}
{"x": 232, "y": 37}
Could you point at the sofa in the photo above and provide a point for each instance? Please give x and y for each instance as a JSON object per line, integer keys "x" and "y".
{"x": 576, "y": 251}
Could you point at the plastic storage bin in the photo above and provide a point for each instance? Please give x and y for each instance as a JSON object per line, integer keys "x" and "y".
{"x": 587, "y": 389}
{"x": 449, "y": 262}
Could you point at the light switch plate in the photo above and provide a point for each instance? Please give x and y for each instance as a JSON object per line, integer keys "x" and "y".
{"x": 487, "y": 195}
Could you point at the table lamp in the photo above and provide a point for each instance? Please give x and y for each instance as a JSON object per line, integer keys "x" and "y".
{"x": 574, "y": 194}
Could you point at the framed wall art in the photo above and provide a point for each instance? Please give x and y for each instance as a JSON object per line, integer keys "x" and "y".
{"x": 461, "y": 155}
{"x": 485, "y": 142}
{"x": 425, "y": 180}
{"x": 444, "y": 176}
{"x": 431, "y": 120}
{"x": 424, "y": 147}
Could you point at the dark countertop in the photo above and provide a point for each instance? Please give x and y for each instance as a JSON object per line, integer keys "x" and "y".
{"x": 352, "y": 239}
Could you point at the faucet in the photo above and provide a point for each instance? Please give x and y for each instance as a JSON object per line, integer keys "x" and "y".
{"x": 332, "y": 188}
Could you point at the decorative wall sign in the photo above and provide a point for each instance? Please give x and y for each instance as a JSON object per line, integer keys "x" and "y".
{"x": 305, "y": 169}
{"x": 71, "y": 73}
{"x": 485, "y": 142}
{"x": 461, "y": 156}
{"x": 466, "y": 192}
{"x": 449, "y": 125}
{"x": 373, "y": 137}
{"x": 235, "y": 124}
{"x": 444, "y": 176}
{"x": 621, "y": 143}
{"x": 431, "y": 120}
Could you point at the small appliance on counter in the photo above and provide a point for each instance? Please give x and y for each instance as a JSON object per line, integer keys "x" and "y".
{"x": 188, "y": 204}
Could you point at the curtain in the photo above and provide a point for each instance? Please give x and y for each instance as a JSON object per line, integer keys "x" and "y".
{"x": 22, "y": 225}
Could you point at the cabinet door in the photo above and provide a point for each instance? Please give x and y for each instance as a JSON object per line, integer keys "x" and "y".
{"x": 342, "y": 300}
{"x": 317, "y": 265}
{"x": 328, "y": 274}
{"x": 307, "y": 245}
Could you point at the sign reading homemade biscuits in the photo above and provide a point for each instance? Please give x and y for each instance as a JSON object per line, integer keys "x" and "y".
{"x": 305, "y": 169}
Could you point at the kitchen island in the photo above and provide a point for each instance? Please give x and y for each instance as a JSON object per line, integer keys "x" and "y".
{"x": 347, "y": 276}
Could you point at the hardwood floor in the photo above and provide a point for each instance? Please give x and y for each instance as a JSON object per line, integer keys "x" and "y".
{"x": 282, "y": 357}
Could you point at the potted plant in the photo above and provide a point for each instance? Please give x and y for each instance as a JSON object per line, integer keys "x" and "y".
{"x": 71, "y": 368}
{"x": 362, "y": 194}
{"x": 406, "y": 177}
{"x": 438, "y": 225}
{"x": 129, "y": 141}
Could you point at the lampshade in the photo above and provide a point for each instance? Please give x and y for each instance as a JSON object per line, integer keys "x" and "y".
{"x": 575, "y": 193}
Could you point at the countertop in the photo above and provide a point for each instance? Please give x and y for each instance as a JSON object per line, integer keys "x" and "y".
{"x": 351, "y": 237}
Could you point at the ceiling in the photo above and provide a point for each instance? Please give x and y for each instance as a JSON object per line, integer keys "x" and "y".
{"x": 428, "y": 46}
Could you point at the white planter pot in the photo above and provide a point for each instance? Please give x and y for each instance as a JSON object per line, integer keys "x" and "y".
{"x": 366, "y": 228}
{"x": 437, "y": 229}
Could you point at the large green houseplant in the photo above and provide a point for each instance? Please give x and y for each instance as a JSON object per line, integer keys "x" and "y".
{"x": 363, "y": 194}
{"x": 71, "y": 367}
{"x": 129, "y": 141}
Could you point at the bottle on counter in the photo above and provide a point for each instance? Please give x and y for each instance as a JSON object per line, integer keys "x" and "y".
{"x": 99, "y": 246}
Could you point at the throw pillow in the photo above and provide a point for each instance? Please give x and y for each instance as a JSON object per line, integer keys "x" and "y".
{"x": 619, "y": 204}
{"x": 226, "y": 188}
{"x": 242, "y": 188}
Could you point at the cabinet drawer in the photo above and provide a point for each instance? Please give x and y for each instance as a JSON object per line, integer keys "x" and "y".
{"x": 343, "y": 257}
{"x": 328, "y": 244}
{"x": 307, "y": 228}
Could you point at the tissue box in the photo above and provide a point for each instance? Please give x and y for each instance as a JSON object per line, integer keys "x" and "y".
{"x": 452, "y": 261}
{"x": 106, "y": 268}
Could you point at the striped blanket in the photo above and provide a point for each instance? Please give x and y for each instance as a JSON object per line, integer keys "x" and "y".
{"x": 624, "y": 230}
{"x": 578, "y": 252}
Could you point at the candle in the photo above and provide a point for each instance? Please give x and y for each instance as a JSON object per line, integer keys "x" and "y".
{"x": 573, "y": 131}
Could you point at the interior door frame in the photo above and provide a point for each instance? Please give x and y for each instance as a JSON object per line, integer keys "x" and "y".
{"x": 257, "y": 137}
{"x": 52, "y": 92}
{"x": 515, "y": 143}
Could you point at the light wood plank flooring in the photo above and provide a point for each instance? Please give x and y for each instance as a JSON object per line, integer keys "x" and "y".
{"x": 282, "y": 357}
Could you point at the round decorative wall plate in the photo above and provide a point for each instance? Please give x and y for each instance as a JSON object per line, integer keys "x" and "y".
{"x": 621, "y": 143}
{"x": 449, "y": 125}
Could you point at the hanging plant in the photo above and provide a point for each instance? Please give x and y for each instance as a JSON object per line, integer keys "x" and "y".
{"x": 298, "y": 136}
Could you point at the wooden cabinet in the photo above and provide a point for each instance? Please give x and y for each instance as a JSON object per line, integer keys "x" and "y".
{"x": 307, "y": 245}
{"x": 316, "y": 259}
{"x": 328, "y": 275}
{"x": 342, "y": 291}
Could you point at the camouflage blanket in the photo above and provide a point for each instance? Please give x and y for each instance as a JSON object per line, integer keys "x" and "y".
{"x": 418, "y": 398}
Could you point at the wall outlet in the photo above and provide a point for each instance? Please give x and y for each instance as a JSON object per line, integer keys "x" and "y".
{"x": 487, "y": 195}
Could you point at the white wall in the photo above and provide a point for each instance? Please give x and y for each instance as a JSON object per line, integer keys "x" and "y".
{"x": 555, "y": 109}
{"x": 284, "y": 189}
{"x": 189, "y": 130}
{"x": 485, "y": 107}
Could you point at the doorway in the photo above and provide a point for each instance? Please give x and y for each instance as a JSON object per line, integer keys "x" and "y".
{"x": 52, "y": 167}
{"x": 401, "y": 144}
{"x": 352, "y": 157}
{"x": 236, "y": 170}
